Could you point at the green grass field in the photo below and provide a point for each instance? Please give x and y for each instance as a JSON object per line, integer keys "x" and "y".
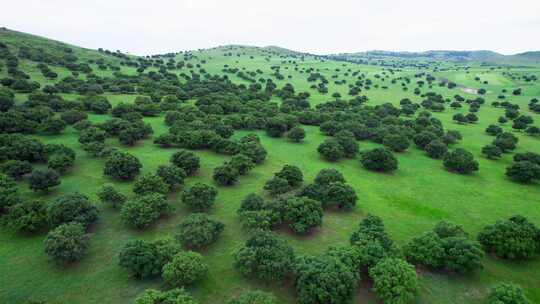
{"x": 410, "y": 201}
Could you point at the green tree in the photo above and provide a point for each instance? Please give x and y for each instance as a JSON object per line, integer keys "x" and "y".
{"x": 184, "y": 269}
{"x": 186, "y": 160}
{"x": 122, "y": 166}
{"x": 67, "y": 243}
{"x": 199, "y": 197}
{"x": 394, "y": 281}
{"x": 198, "y": 231}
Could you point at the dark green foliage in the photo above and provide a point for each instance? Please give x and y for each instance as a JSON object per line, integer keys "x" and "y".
{"x": 52, "y": 126}
{"x": 254, "y": 297}
{"x": 331, "y": 150}
{"x": 460, "y": 161}
{"x": 296, "y": 134}
{"x": 292, "y": 175}
{"x": 436, "y": 149}
{"x": 506, "y": 293}
{"x": 226, "y": 175}
{"x": 253, "y": 150}
{"x": 184, "y": 269}
{"x": 144, "y": 210}
{"x": 16, "y": 169}
{"x": 150, "y": 183}
{"x": 426, "y": 249}
{"x": 277, "y": 185}
{"x": 241, "y": 163}
{"x": 9, "y": 193}
{"x": 92, "y": 134}
{"x": 172, "y": 175}
{"x": 394, "y": 281}
{"x": 462, "y": 255}
{"x": 122, "y": 166}
{"x": 27, "y": 216}
{"x": 71, "y": 117}
{"x": 199, "y": 197}
{"x": 107, "y": 194}
{"x": 396, "y": 142}
{"x": 42, "y": 180}
{"x": 515, "y": 238}
{"x": 324, "y": 280}
{"x": 302, "y": 214}
{"x": 339, "y": 194}
{"x": 523, "y": 171}
{"x": 266, "y": 257}
{"x": 379, "y": 159}
{"x": 60, "y": 162}
{"x": 446, "y": 229}
{"x": 67, "y": 243}
{"x": 146, "y": 259}
{"x": 7, "y": 99}
{"x": 492, "y": 151}
{"x": 348, "y": 142}
{"x": 506, "y": 141}
{"x": 328, "y": 176}
{"x": 172, "y": 296}
{"x": 72, "y": 207}
{"x": 423, "y": 138}
{"x": 197, "y": 231}
{"x": 371, "y": 229}
{"x": 494, "y": 130}
{"x": 186, "y": 160}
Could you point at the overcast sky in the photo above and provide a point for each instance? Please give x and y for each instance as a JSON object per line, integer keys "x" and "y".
{"x": 160, "y": 26}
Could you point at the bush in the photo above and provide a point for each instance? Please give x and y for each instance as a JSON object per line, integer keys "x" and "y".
{"x": 184, "y": 269}
{"x": 515, "y": 238}
{"x": 505, "y": 293}
{"x": 172, "y": 296}
{"x": 460, "y": 161}
{"x": 150, "y": 183}
{"x": 462, "y": 255}
{"x": 146, "y": 259}
{"x": 491, "y": 151}
{"x": 436, "y": 149}
{"x": 394, "y": 281}
{"x": 254, "y": 297}
{"x": 67, "y": 243}
{"x": 72, "y": 207}
{"x": 60, "y": 162}
{"x": 42, "y": 180}
{"x": 396, "y": 142}
{"x": 198, "y": 231}
{"x": 107, "y": 194}
{"x": 27, "y": 216}
{"x": 144, "y": 210}
{"x": 172, "y": 175}
{"x": 253, "y": 150}
{"x": 296, "y": 134}
{"x": 328, "y": 176}
{"x": 423, "y": 138}
{"x": 292, "y": 175}
{"x": 16, "y": 169}
{"x": 341, "y": 195}
{"x": 426, "y": 249}
{"x": 379, "y": 159}
{"x": 200, "y": 197}
{"x": 9, "y": 193}
{"x": 122, "y": 166}
{"x": 241, "y": 163}
{"x": 186, "y": 160}
{"x": 331, "y": 150}
{"x": 523, "y": 171}
{"x": 324, "y": 280}
{"x": 348, "y": 142}
{"x": 277, "y": 185}
{"x": 225, "y": 175}
{"x": 265, "y": 256}
{"x": 303, "y": 214}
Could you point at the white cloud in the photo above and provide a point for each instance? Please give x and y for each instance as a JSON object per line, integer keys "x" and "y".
{"x": 144, "y": 27}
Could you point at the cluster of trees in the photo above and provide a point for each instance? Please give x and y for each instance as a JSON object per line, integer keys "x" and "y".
{"x": 526, "y": 167}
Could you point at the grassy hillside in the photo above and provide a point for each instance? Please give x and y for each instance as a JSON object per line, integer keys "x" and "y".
{"x": 419, "y": 194}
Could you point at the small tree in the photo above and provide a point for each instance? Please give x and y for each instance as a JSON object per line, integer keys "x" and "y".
{"x": 200, "y": 197}
{"x": 436, "y": 149}
{"x": 523, "y": 171}
{"x": 379, "y": 159}
{"x": 277, "y": 185}
{"x": 9, "y": 193}
{"x": 492, "y": 151}
{"x": 394, "y": 280}
{"x": 426, "y": 249}
{"x": 225, "y": 175}
{"x": 27, "y": 216}
{"x": 505, "y": 293}
{"x": 186, "y": 160}
{"x": 172, "y": 175}
{"x": 144, "y": 210}
{"x": 296, "y": 134}
{"x": 16, "y": 169}
{"x": 254, "y": 297}
{"x": 328, "y": 176}
{"x": 176, "y": 295}
{"x": 331, "y": 150}
{"x": 341, "y": 195}
{"x": 462, "y": 255}
{"x": 122, "y": 166}
{"x": 348, "y": 142}
{"x": 146, "y": 259}
{"x": 241, "y": 163}
{"x": 396, "y": 142}
{"x": 67, "y": 243}
{"x": 150, "y": 183}
{"x": 72, "y": 207}
{"x": 292, "y": 175}
{"x": 303, "y": 214}
{"x": 42, "y": 180}
{"x": 198, "y": 231}
{"x": 460, "y": 161}
{"x": 107, "y": 194}
{"x": 184, "y": 269}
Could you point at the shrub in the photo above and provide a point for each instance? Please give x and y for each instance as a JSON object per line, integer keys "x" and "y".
{"x": 27, "y": 216}
{"x": 515, "y": 238}
{"x": 186, "y": 160}
{"x": 523, "y": 171}
{"x": 460, "y": 161}
{"x": 296, "y": 134}
{"x": 341, "y": 195}
{"x": 144, "y": 210}
{"x": 394, "y": 281}
{"x": 184, "y": 269}
{"x": 348, "y": 142}
{"x": 122, "y": 166}
{"x": 67, "y": 243}
{"x": 491, "y": 151}
{"x": 172, "y": 175}
{"x": 198, "y": 231}
{"x": 292, "y": 175}
{"x": 176, "y": 296}
{"x": 331, "y": 150}
{"x": 426, "y": 249}
{"x": 200, "y": 197}
{"x": 505, "y": 293}
{"x": 327, "y": 176}
{"x": 396, "y": 142}
{"x": 42, "y": 180}
{"x": 241, "y": 163}
{"x": 150, "y": 183}
{"x": 72, "y": 207}
{"x": 303, "y": 214}
{"x": 16, "y": 169}
{"x": 265, "y": 256}
{"x": 379, "y": 159}
{"x": 254, "y": 297}
{"x": 277, "y": 185}
{"x": 462, "y": 255}
{"x": 225, "y": 175}
{"x": 107, "y": 194}
{"x": 9, "y": 193}
{"x": 146, "y": 259}
{"x": 436, "y": 149}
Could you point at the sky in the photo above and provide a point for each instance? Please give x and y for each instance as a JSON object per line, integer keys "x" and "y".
{"x": 319, "y": 27}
